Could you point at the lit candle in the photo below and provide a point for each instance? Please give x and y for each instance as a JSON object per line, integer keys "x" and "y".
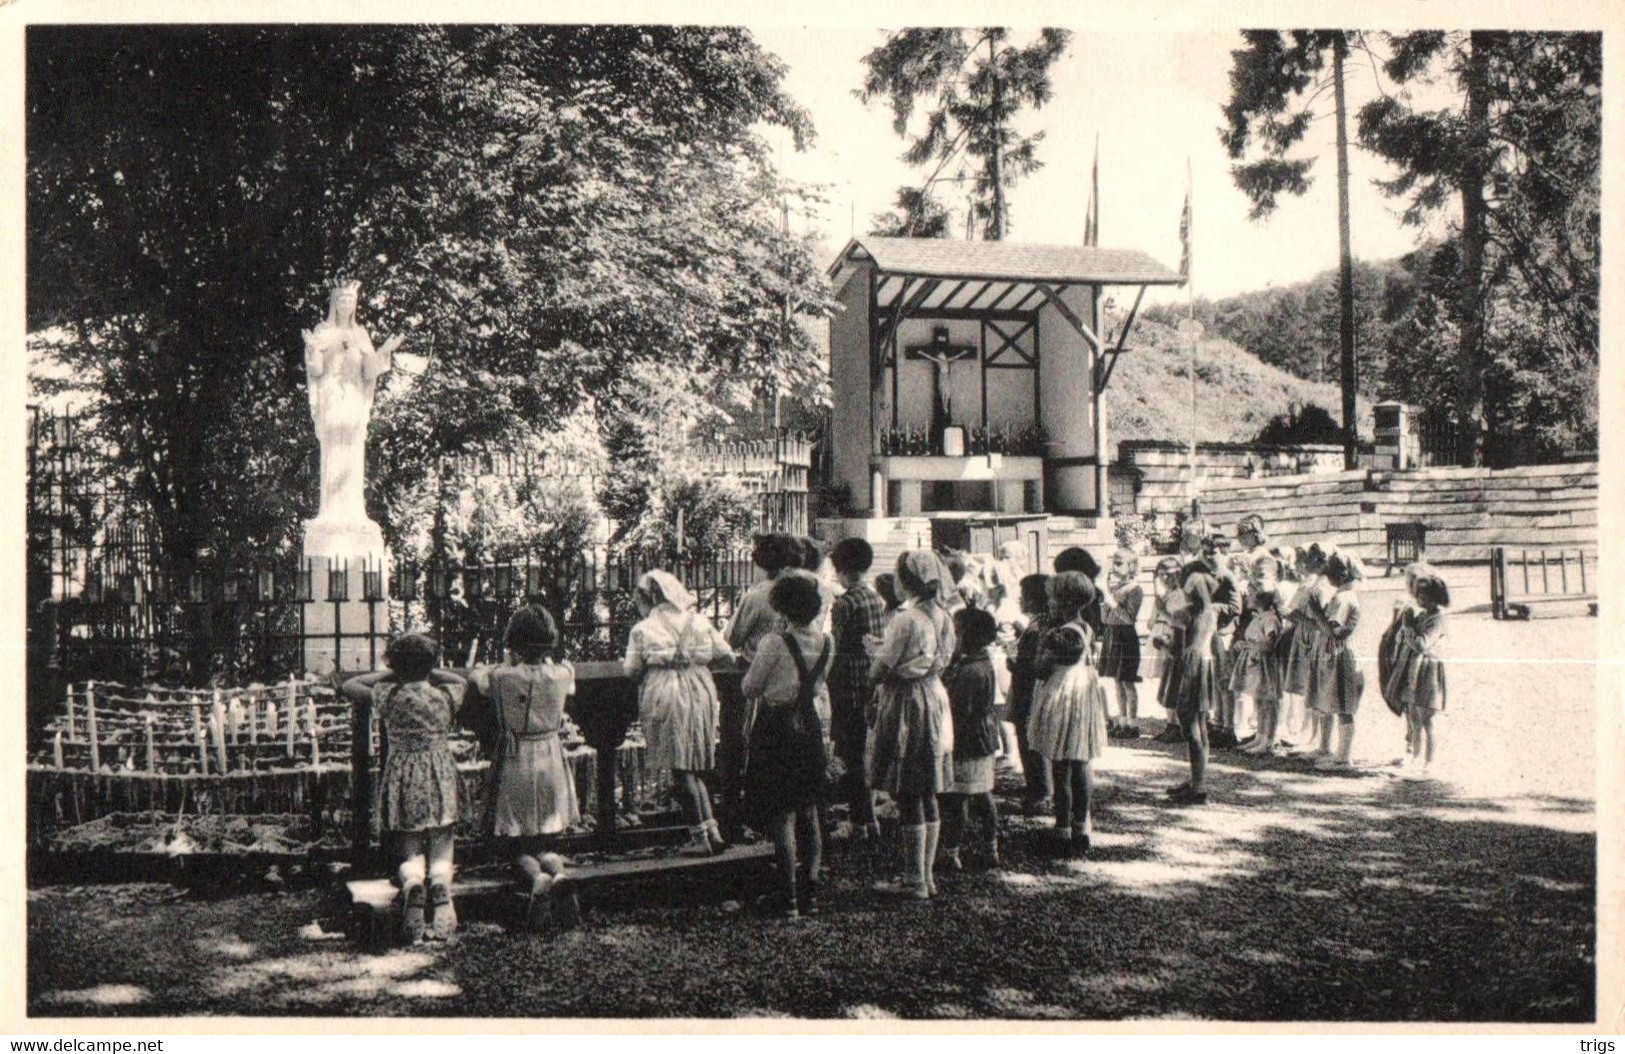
{"x": 73, "y": 728}
{"x": 253, "y": 719}
{"x": 56, "y": 749}
{"x": 270, "y": 720}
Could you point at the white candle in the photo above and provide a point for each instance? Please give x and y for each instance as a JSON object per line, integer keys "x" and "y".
{"x": 73, "y": 728}
{"x": 315, "y": 751}
{"x": 236, "y": 715}
{"x": 293, "y": 713}
{"x": 218, "y": 731}
{"x": 56, "y": 749}
{"x": 270, "y": 720}
{"x": 202, "y": 744}
{"x": 90, "y": 724}
{"x": 152, "y": 753}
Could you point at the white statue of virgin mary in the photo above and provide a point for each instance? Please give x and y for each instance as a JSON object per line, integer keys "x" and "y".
{"x": 342, "y": 371}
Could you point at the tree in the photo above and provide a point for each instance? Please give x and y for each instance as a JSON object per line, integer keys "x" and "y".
{"x": 977, "y": 86}
{"x": 1265, "y": 77}
{"x": 541, "y": 208}
{"x": 917, "y": 214}
{"x": 1521, "y": 152}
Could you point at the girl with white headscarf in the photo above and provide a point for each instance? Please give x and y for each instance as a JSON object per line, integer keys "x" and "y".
{"x": 670, "y": 651}
{"x": 911, "y": 742}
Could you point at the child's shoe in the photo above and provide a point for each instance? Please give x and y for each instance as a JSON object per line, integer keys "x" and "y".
{"x": 913, "y": 882}
{"x": 1186, "y": 796}
{"x": 445, "y": 912}
{"x": 1080, "y": 841}
{"x": 699, "y": 843}
{"x": 991, "y": 853}
{"x": 713, "y": 834}
{"x": 807, "y": 895}
{"x": 413, "y": 899}
{"x": 952, "y": 861}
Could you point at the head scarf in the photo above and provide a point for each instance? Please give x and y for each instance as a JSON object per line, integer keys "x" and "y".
{"x": 666, "y": 585}
{"x": 926, "y": 567}
{"x": 1015, "y": 551}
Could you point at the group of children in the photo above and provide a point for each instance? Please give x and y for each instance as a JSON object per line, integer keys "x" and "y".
{"x": 903, "y": 687}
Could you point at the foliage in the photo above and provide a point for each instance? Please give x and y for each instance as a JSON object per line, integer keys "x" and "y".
{"x": 717, "y": 516}
{"x": 976, "y": 88}
{"x": 917, "y": 214}
{"x": 1150, "y": 392}
{"x": 1299, "y": 426}
{"x": 542, "y": 208}
{"x": 1134, "y": 530}
{"x": 1523, "y": 157}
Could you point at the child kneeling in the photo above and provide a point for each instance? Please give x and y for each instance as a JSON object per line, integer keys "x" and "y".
{"x": 418, "y": 790}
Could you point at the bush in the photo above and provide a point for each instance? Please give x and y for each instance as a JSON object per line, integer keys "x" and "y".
{"x": 1300, "y": 426}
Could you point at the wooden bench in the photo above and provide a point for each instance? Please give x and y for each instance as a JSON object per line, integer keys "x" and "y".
{"x": 1523, "y": 580}
{"x": 492, "y": 892}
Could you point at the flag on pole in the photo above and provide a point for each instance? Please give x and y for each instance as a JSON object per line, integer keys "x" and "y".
{"x": 1091, "y": 222}
{"x": 1185, "y": 231}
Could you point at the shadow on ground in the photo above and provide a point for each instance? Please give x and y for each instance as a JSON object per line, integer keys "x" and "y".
{"x": 1293, "y": 896}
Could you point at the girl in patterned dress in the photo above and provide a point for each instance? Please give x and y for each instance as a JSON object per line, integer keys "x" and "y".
{"x": 910, "y": 751}
{"x": 1254, "y": 674}
{"x": 1418, "y": 677}
{"x": 1335, "y": 682}
{"x": 670, "y": 653}
{"x": 1068, "y": 722}
{"x": 532, "y": 794}
{"x": 1120, "y": 605}
{"x": 419, "y": 786}
{"x": 1299, "y": 643}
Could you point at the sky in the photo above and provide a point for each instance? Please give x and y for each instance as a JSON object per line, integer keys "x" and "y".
{"x": 1154, "y": 100}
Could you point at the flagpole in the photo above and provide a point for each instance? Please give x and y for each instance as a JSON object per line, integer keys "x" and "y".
{"x": 1190, "y": 329}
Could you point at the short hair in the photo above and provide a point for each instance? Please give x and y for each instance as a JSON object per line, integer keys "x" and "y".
{"x": 796, "y": 597}
{"x": 1070, "y": 592}
{"x": 852, "y": 556}
{"x": 886, "y": 586}
{"x": 531, "y": 633}
{"x": 976, "y": 629}
{"x": 1216, "y": 544}
{"x": 1342, "y": 568}
{"x": 812, "y": 554}
{"x": 1168, "y": 565}
{"x": 1191, "y": 570}
{"x": 412, "y": 656}
{"x": 774, "y": 552}
{"x": 1075, "y": 558}
{"x": 1035, "y": 591}
{"x": 1431, "y": 591}
{"x": 1066, "y": 646}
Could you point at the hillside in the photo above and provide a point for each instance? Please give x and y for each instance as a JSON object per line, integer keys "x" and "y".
{"x": 1237, "y": 394}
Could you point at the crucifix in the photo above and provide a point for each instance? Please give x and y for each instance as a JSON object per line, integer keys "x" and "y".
{"x": 941, "y": 355}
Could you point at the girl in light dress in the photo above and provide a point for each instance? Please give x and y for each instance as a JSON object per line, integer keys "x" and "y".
{"x": 1417, "y": 680}
{"x": 419, "y": 787}
{"x": 1068, "y": 722}
{"x": 1196, "y": 690}
{"x": 1335, "y": 683}
{"x": 1120, "y": 645}
{"x": 532, "y": 795}
{"x": 670, "y": 653}
{"x": 910, "y": 749}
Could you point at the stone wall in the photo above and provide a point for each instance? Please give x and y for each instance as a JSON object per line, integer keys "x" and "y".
{"x": 1157, "y": 472}
{"x": 1466, "y": 510}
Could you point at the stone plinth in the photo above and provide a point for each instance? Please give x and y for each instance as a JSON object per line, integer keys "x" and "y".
{"x": 347, "y": 624}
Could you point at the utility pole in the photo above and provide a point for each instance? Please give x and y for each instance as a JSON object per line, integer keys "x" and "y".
{"x": 1345, "y": 263}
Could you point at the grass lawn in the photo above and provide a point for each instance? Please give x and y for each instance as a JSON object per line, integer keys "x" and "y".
{"x": 1294, "y": 896}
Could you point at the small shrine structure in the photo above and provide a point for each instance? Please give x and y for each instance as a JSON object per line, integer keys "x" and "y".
{"x": 968, "y": 379}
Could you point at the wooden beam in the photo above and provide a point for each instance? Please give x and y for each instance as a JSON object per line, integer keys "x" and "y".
{"x": 969, "y": 304}
{"x": 905, "y": 307}
{"x": 1011, "y": 288}
{"x": 1010, "y": 341}
{"x": 1071, "y": 316}
{"x": 1133, "y": 313}
{"x": 1108, "y": 361}
{"x": 945, "y": 301}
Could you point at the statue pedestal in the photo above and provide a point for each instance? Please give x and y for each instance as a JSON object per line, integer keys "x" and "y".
{"x": 347, "y": 622}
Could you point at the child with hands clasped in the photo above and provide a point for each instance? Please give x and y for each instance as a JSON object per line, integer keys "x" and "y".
{"x": 1068, "y": 722}
{"x": 419, "y": 788}
{"x": 1120, "y": 644}
{"x": 972, "y": 691}
{"x": 1417, "y": 680}
{"x": 532, "y": 794}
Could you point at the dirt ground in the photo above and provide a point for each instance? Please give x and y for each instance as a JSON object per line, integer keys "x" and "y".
{"x": 1295, "y": 895}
